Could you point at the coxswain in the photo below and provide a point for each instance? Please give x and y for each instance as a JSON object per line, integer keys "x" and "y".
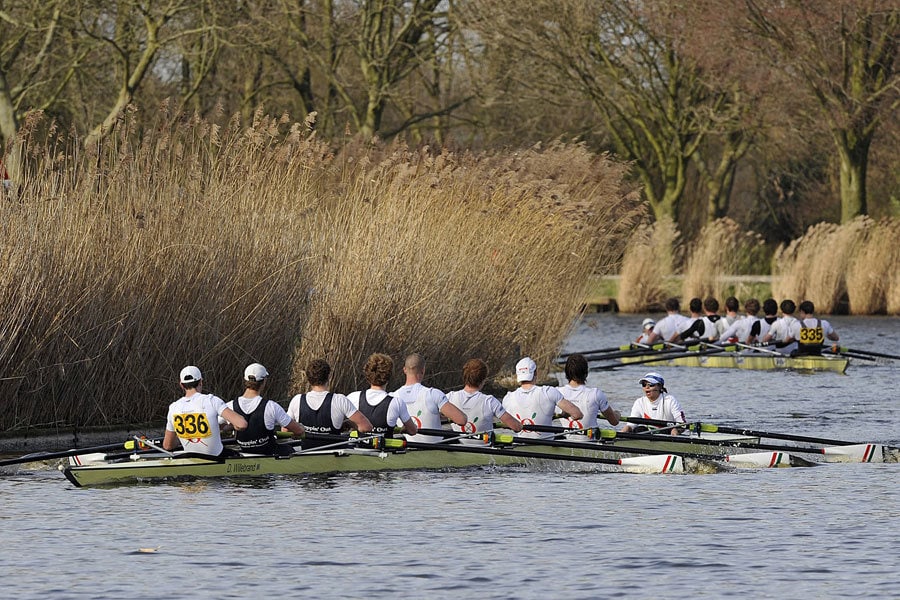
{"x": 656, "y": 403}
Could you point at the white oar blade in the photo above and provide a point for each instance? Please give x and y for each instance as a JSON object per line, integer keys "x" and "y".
{"x": 86, "y": 459}
{"x": 757, "y": 460}
{"x": 855, "y": 453}
{"x": 662, "y": 463}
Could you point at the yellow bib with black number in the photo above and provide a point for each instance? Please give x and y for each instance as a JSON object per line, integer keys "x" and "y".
{"x": 812, "y": 335}
{"x": 192, "y": 425}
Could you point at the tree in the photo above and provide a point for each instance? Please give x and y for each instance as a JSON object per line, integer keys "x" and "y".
{"x": 657, "y": 106}
{"x": 29, "y": 75}
{"x": 841, "y": 54}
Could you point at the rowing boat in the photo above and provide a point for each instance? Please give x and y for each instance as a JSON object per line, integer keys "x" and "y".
{"x": 750, "y": 360}
{"x": 85, "y": 470}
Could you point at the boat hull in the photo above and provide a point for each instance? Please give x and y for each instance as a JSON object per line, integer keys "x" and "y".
{"x": 753, "y": 362}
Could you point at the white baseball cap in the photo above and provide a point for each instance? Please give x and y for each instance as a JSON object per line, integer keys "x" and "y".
{"x": 255, "y": 372}
{"x": 190, "y": 375}
{"x": 653, "y": 379}
{"x": 525, "y": 370}
{"x": 648, "y": 323}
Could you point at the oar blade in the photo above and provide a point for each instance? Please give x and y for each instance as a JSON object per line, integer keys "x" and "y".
{"x": 854, "y": 453}
{"x": 662, "y": 463}
{"x": 760, "y": 460}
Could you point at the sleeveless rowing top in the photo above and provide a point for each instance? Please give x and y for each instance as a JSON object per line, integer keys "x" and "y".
{"x": 317, "y": 421}
{"x": 256, "y": 438}
{"x": 812, "y": 339}
{"x": 377, "y": 414}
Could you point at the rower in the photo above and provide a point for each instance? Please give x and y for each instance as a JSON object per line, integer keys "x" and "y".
{"x": 669, "y": 327}
{"x": 701, "y": 327}
{"x": 382, "y": 409}
{"x": 536, "y": 404}
{"x": 322, "y": 411}
{"x": 732, "y": 306}
{"x": 592, "y": 401}
{"x": 656, "y": 403}
{"x": 744, "y": 330}
{"x": 193, "y": 420}
{"x": 786, "y": 330}
{"x": 262, "y": 416}
{"x": 770, "y": 315}
{"x": 479, "y": 408}
{"x": 813, "y": 330}
{"x": 425, "y": 404}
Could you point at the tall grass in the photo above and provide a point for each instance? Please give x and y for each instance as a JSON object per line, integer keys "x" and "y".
{"x": 218, "y": 246}
{"x": 650, "y": 259}
{"x": 721, "y": 249}
{"x": 855, "y": 262}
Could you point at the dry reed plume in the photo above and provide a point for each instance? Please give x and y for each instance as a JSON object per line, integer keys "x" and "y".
{"x": 856, "y": 262}
{"x": 721, "y": 249}
{"x": 219, "y": 246}
{"x": 650, "y": 259}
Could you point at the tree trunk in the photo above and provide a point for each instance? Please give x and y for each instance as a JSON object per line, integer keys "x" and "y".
{"x": 854, "y": 156}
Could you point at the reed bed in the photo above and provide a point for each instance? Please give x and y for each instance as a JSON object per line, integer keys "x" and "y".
{"x": 721, "y": 249}
{"x": 219, "y": 246}
{"x": 650, "y": 260}
{"x": 855, "y": 263}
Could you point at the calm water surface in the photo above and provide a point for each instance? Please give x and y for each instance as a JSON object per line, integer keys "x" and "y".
{"x": 824, "y": 532}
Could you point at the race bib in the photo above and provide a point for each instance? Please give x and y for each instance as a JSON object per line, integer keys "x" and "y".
{"x": 192, "y": 425}
{"x": 812, "y": 335}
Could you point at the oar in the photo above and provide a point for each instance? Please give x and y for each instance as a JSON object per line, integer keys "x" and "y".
{"x": 850, "y": 355}
{"x": 638, "y": 350}
{"x": 655, "y": 460}
{"x": 775, "y": 456}
{"x": 844, "y": 350}
{"x": 597, "y": 351}
{"x": 712, "y": 428}
{"x": 664, "y": 463}
{"x": 38, "y": 456}
{"x": 668, "y": 355}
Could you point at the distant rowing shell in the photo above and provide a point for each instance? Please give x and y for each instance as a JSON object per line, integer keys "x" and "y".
{"x": 754, "y": 362}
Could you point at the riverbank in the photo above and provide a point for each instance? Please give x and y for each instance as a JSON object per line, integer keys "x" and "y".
{"x": 67, "y": 437}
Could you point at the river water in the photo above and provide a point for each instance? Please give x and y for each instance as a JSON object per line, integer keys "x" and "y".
{"x": 824, "y": 532}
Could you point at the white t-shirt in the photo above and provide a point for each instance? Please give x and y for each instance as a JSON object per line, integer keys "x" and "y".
{"x": 783, "y": 328}
{"x": 424, "y": 407}
{"x": 665, "y": 408}
{"x": 591, "y": 401}
{"x": 396, "y": 409}
{"x": 740, "y": 329}
{"x": 534, "y": 406}
{"x": 480, "y": 410}
{"x": 273, "y": 416}
{"x": 341, "y": 407}
{"x": 671, "y": 324}
{"x": 195, "y": 419}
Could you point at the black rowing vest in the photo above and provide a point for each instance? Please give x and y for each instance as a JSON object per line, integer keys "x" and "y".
{"x": 257, "y": 438}
{"x": 317, "y": 421}
{"x": 377, "y": 415}
{"x": 812, "y": 339}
